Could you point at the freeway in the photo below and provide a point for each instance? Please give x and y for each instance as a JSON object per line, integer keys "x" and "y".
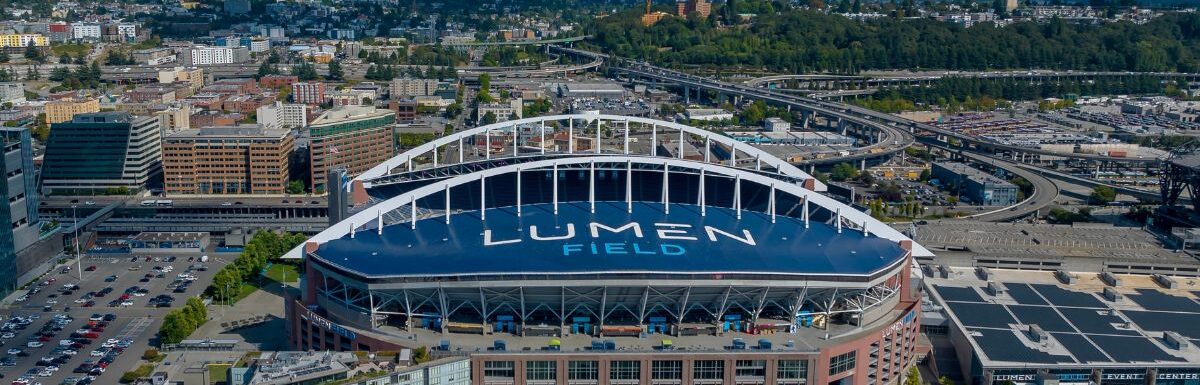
{"x": 517, "y": 42}
{"x": 887, "y": 123}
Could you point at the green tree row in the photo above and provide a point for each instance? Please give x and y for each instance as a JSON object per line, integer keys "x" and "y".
{"x": 801, "y": 40}
{"x": 180, "y": 323}
{"x": 264, "y": 247}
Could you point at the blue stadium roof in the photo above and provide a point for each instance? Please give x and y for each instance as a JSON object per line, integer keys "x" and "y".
{"x": 682, "y": 242}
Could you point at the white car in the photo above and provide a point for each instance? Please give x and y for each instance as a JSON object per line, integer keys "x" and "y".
{"x": 22, "y": 298}
{"x": 14, "y": 351}
{"x": 52, "y": 368}
{"x": 65, "y": 342}
{"x": 34, "y": 344}
{"x": 7, "y": 335}
{"x": 69, "y": 352}
{"x": 81, "y": 300}
{"x": 126, "y": 303}
{"x": 98, "y": 353}
{"x": 139, "y": 294}
{"x": 45, "y": 373}
{"x": 51, "y": 301}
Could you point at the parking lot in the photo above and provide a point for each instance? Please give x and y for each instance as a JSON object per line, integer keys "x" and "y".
{"x": 132, "y": 294}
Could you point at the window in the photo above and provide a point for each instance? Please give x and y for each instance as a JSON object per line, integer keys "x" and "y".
{"x": 666, "y": 370}
{"x": 501, "y": 369}
{"x": 792, "y": 369}
{"x": 708, "y": 370}
{"x": 842, "y": 362}
{"x": 625, "y": 370}
{"x": 583, "y": 370}
{"x": 751, "y": 368}
{"x": 541, "y": 370}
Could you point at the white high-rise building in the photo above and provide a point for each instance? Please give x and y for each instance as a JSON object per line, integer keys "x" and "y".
{"x": 85, "y": 31}
{"x": 283, "y": 115}
{"x": 205, "y": 55}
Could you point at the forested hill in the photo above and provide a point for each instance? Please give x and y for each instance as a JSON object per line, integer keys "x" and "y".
{"x": 797, "y": 41}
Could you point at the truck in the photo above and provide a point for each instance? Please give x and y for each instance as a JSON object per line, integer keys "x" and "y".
{"x": 203, "y": 258}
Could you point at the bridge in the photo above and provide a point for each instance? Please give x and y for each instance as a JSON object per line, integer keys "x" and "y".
{"x": 892, "y": 80}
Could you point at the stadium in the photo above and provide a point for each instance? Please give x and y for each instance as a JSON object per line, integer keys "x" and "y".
{"x": 600, "y": 249}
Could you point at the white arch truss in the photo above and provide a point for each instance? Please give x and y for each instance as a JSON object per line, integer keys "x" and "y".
{"x": 850, "y": 218}
{"x": 670, "y": 130}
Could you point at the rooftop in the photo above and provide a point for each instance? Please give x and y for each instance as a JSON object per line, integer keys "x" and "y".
{"x": 239, "y": 132}
{"x": 348, "y": 113}
{"x": 646, "y": 241}
{"x": 1080, "y": 326}
{"x": 974, "y": 173}
{"x": 959, "y": 238}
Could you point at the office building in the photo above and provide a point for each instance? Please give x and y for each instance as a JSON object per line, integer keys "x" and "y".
{"x": 65, "y": 110}
{"x": 700, "y": 7}
{"x": 21, "y": 212}
{"x": 355, "y": 138}
{"x": 85, "y": 31}
{"x": 206, "y": 55}
{"x": 12, "y": 92}
{"x": 283, "y": 115}
{"x": 98, "y": 151}
{"x": 502, "y": 111}
{"x": 154, "y": 56}
{"x": 977, "y": 186}
{"x": 246, "y": 159}
{"x": 776, "y": 125}
{"x": 194, "y": 77}
{"x": 277, "y": 81}
{"x": 21, "y": 41}
{"x": 405, "y": 109}
{"x": 409, "y": 87}
{"x": 308, "y": 92}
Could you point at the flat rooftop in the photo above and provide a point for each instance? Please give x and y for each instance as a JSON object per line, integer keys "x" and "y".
{"x": 957, "y": 238}
{"x": 1082, "y": 327}
{"x": 345, "y": 113}
{"x": 648, "y": 240}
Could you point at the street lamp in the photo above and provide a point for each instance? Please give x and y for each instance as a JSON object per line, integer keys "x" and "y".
{"x": 78, "y": 258}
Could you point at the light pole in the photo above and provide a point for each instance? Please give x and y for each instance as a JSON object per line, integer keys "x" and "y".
{"x": 78, "y": 258}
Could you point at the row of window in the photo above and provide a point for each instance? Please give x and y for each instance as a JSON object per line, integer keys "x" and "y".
{"x": 659, "y": 369}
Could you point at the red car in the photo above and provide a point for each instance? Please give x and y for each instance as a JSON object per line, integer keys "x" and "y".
{"x": 90, "y": 268}
{"x": 92, "y": 335}
{"x": 98, "y": 329}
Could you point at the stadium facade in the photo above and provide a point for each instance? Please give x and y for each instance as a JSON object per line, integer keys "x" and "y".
{"x": 622, "y": 264}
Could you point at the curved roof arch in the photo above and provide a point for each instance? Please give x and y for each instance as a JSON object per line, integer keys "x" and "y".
{"x": 374, "y": 213}
{"x": 766, "y": 158}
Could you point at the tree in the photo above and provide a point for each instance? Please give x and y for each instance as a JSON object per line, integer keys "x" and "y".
{"x": 856, "y": 7}
{"x": 64, "y": 58}
{"x": 295, "y": 187}
{"x": 33, "y": 53}
{"x": 335, "y": 71}
{"x": 4, "y": 58}
{"x": 489, "y": 118}
{"x": 913, "y": 377}
{"x": 925, "y": 175}
{"x": 1102, "y": 195}
{"x": 843, "y": 172}
{"x": 266, "y": 69}
{"x": 32, "y": 73}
